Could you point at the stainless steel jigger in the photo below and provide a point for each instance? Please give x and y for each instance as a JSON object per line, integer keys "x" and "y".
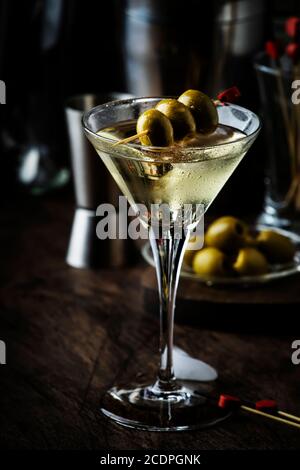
{"x": 93, "y": 185}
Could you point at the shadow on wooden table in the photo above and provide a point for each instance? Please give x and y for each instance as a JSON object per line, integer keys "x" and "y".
{"x": 269, "y": 309}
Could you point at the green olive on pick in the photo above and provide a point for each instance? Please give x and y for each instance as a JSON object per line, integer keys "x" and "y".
{"x": 155, "y": 129}
{"x": 180, "y": 116}
{"x": 203, "y": 110}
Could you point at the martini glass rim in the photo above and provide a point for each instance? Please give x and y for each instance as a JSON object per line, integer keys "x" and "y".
{"x": 152, "y": 153}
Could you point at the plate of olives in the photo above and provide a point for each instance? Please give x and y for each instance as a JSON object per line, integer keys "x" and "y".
{"x": 237, "y": 254}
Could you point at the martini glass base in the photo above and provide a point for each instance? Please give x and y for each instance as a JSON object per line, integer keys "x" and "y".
{"x": 149, "y": 409}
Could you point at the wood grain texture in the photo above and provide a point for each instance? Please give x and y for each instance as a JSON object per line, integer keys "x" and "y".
{"x": 71, "y": 334}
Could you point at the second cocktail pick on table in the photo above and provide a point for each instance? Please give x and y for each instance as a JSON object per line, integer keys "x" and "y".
{"x": 271, "y": 405}
{"x": 234, "y": 403}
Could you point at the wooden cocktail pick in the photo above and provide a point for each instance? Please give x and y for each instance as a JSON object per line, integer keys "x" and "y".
{"x": 230, "y": 402}
{"x": 130, "y": 139}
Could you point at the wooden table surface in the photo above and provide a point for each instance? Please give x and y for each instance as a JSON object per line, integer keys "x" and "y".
{"x": 70, "y": 334}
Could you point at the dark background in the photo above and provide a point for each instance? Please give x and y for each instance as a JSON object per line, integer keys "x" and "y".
{"x": 53, "y": 49}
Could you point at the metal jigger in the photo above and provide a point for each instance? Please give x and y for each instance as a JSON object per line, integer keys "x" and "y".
{"x": 93, "y": 186}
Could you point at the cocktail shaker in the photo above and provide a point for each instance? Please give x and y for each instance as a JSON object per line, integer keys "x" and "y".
{"x": 169, "y": 46}
{"x": 93, "y": 186}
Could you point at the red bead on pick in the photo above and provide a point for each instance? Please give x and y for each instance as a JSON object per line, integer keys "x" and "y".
{"x": 230, "y": 95}
{"x": 292, "y": 26}
{"x": 271, "y": 49}
{"x": 229, "y": 402}
{"x": 263, "y": 405}
{"x": 293, "y": 51}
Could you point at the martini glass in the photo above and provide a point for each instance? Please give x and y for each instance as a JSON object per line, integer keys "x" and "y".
{"x": 172, "y": 176}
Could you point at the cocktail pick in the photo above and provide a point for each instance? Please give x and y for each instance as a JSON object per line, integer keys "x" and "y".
{"x": 230, "y": 95}
{"x": 292, "y": 27}
{"x": 233, "y": 403}
{"x": 271, "y": 405}
{"x": 292, "y": 50}
{"x": 272, "y": 50}
{"x": 130, "y": 139}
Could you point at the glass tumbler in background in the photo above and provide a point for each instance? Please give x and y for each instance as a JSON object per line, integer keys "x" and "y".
{"x": 282, "y": 136}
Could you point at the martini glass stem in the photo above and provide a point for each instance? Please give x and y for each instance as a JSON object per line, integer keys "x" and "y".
{"x": 168, "y": 255}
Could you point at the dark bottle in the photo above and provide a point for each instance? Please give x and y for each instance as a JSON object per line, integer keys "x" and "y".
{"x": 47, "y": 54}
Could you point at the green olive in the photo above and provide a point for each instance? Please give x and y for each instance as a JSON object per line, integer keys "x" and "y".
{"x": 180, "y": 116}
{"x": 210, "y": 262}
{"x": 202, "y": 108}
{"x": 276, "y": 247}
{"x": 226, "y": 233}
{"x": 249, "y": 262}
{"x": 158, "y": 126}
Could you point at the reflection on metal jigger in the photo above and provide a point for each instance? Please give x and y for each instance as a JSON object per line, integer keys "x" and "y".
{"x": 93, "y": 186}
{"x": 86, "y": 250}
